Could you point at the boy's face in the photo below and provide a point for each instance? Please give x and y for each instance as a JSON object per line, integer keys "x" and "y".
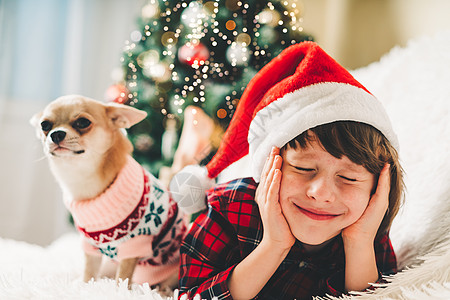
{"x": 320, "y": 195}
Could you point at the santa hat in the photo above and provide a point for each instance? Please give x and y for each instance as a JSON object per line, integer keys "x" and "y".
{"x": 301, "y": 88}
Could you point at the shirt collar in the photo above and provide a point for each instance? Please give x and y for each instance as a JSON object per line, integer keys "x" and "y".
{"x": 327, "y": 257}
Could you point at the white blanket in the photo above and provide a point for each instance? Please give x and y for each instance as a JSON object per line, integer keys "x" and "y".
{"x": 414, "y": 84}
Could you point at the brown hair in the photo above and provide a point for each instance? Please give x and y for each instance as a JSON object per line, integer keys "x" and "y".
{"x": 363, "y": 145}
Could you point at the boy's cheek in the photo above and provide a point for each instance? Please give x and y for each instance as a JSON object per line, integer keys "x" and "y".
{"x": 358, "y": 212}
{"x": 285, "y": 189}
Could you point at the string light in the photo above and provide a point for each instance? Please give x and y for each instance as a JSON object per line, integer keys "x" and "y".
{"x": 198, "y": 19}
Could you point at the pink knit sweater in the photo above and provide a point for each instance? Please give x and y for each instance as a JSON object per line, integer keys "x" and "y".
{"x": 134, "y": 217}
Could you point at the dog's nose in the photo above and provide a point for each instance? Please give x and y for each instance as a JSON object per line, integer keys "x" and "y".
{"x": 58, "y": 136}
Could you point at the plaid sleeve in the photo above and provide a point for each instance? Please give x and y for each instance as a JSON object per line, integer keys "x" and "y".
{"x": 386, "y": 264}
{"x": 209, "y": 254}
{"x": 335, "y": 284}
{"x": 385, "y": 255}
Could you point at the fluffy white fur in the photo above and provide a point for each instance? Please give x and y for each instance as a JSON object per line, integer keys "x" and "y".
{"x": 414, "y": 85}
{"x": 56, "y": 272}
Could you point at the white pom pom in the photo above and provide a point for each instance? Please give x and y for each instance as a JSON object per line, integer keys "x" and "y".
{"x": 188, "y": 188}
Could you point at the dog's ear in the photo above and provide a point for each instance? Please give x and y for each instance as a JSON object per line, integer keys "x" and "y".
{"x": 34, "y": 121}
{"x": 124, "y": 116}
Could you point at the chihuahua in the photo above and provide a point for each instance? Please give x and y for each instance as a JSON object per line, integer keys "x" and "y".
{"x": 122, "y": 211}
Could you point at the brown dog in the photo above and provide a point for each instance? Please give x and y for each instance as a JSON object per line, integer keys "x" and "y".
{"x": 122, "y": 211}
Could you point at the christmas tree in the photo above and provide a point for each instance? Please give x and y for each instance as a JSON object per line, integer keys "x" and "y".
{"x": 200, "y": 53}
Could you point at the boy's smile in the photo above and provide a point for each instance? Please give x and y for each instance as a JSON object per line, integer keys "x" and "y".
{"x": 320, "y": 194}
{"x": 316, "y": 214}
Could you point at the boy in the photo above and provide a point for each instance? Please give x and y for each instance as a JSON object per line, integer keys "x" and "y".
{"x": 314, "y": 218}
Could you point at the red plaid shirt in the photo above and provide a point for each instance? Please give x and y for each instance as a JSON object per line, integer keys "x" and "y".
{"x": 231, "y": 228}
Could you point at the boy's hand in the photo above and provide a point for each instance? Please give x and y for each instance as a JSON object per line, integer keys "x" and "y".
{"x": 365, "y": 229}
{"x": 256, "y": 269}
{"x": 277, "y": 233}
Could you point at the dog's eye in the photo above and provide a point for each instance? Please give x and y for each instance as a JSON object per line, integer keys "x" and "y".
{"x": 46, "y": 126}
{"x": 82, "y": 123}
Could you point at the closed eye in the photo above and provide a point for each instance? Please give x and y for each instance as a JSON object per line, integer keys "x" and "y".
{"x": 348, "y": 179}
{"x": 304, "y": 169}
